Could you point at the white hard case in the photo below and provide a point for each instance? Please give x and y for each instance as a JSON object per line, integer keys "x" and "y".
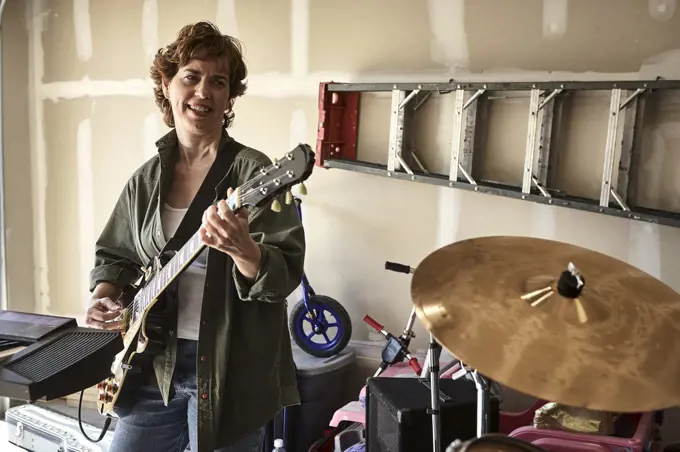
{"x": 38, "y": 429}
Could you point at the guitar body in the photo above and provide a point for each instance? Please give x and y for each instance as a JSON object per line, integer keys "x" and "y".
{"x": 148, "y": 303}
{"x": 143, "y": 338}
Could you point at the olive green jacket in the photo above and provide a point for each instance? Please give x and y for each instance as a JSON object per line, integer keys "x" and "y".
{"x": 245, "y": 373}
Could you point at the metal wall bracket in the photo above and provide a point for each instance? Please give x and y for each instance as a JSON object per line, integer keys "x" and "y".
{"x": 338, "y": 125}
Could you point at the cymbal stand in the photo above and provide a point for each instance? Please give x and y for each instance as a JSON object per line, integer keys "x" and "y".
{"x": 483, "y": 395}
{"x": 482, "y": 403}
{"x": 435, "y": 351}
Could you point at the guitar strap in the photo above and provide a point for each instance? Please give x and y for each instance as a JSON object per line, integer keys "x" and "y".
{"x": 187, "y": 228}
{"x": 204, "y": 198}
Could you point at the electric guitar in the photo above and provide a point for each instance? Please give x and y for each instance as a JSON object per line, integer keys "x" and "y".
{"x": 141, "y": 317}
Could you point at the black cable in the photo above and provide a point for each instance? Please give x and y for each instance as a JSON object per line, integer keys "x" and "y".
{"x": 107, "y": 422}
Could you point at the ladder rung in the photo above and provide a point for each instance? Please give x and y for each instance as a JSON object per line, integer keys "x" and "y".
{"x": 463, "y": 134}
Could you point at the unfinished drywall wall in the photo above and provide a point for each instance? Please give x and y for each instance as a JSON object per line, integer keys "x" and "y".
{"x": 17, "y": 159}
{"x": 93, "y": 121}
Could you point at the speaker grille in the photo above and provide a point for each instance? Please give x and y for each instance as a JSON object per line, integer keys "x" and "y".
{"x": 66, "y": 350}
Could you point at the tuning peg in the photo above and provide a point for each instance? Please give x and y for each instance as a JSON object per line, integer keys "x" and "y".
{"x": 289, "y": 197}
{"x": 303, "y": 189}
{"x": 276, "y": 205}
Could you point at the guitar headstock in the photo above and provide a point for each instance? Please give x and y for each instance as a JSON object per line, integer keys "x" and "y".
{"x": 279, "y": 177}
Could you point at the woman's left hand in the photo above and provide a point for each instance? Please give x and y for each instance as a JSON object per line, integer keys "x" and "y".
{"x": 226, "y": 231}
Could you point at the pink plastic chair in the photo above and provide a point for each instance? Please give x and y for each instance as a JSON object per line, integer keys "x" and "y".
{"x": 562, "y": 441}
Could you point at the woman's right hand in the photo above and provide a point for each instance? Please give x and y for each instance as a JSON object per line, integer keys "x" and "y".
{"x": 104, "y": 314}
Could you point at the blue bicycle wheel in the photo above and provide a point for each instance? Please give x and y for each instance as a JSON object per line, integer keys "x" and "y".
{"x": 322, "y": 331}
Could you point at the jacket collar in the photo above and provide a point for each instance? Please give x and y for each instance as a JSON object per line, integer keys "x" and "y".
{"x": 169, "y": 141}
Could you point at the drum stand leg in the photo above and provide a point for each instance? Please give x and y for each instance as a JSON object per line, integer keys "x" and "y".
{"x": 483, "y": 388}
{"x": 483, "y": 395}
{"x": 435, "y": 351}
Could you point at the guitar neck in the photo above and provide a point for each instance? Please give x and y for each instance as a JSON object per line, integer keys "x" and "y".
{"x": 176, "y": 265}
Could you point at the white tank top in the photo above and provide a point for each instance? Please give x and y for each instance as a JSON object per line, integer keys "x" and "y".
{"x": 190, "y": 283}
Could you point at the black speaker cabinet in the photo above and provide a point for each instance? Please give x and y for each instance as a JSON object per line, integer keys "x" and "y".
{"x": 398, "y": 415}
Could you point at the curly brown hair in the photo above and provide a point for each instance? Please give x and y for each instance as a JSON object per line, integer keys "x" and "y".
{"x": 201, "y": 40}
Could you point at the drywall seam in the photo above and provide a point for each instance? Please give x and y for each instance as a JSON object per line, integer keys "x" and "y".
{"x": 298, "y": 128}
{"x": 555, "y": 14}
{"x": 299, "y": 48}
{"x": 85, "y": 203}
{"x": 85, "y": 87}
{"x": 276, "y": 85}
{"x": 298, "y": 134}
{"x": 36, "y": 11}
{"x": 5, "y": 231}
{"x": 82, "y": 28}
{"x": 448, "y": 45}
{"x": 226, "y": 17}
{"x": 150, "y": 29}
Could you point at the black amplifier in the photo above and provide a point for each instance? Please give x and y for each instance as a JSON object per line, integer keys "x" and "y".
{"x": 398, "y": 415}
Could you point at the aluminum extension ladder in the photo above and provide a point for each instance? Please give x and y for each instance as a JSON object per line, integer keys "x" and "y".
{"x": 338, "y": 125}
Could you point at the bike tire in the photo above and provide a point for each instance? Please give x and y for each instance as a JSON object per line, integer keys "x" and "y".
{"x": 298, "y": 317}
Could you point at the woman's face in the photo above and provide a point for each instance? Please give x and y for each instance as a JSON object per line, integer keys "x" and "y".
{"x": 199, "y": 95}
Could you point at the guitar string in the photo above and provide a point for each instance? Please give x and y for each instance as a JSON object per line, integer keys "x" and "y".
{"x": 135, "y": 304}
{"x": 245, "y": 187}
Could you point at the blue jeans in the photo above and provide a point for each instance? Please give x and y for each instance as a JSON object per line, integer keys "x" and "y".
{"x": 145, "y": 424}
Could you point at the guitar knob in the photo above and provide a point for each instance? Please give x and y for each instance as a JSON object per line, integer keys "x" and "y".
{"x": 276, "y": 205}
{"x": 289, "y": 197}
{"x": 303, "y": 188}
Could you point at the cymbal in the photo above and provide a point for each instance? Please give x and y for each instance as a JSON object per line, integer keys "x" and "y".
{"x": 623, "y": 355}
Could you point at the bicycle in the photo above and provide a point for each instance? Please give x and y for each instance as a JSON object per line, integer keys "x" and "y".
{"x": 314, "y": 310}
{"x": 396, "y": 348}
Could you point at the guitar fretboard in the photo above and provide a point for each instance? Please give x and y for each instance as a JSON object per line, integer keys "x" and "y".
{"x": 182, "y": 259}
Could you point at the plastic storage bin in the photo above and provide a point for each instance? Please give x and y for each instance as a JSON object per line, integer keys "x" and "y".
{"x": 321, "y": 383}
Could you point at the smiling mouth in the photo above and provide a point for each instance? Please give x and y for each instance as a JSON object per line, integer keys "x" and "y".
{"x": 199, "y": 110}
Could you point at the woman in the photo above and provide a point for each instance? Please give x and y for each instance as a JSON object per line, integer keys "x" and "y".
{"x": 227, "y": 366}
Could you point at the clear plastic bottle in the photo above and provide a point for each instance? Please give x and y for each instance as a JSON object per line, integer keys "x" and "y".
{"x": 278, "y": 445}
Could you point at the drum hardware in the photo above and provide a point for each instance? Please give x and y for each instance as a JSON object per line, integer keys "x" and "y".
{"x": 482, "y": 403}
{"x": 482, "y": 384}
{"x": 600, "y": 315}
{"x": 546, "y": 332}
{"x": 435, "y": 351}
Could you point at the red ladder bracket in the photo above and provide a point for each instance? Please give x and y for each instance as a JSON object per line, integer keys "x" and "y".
{"x": 338, "y": 124}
